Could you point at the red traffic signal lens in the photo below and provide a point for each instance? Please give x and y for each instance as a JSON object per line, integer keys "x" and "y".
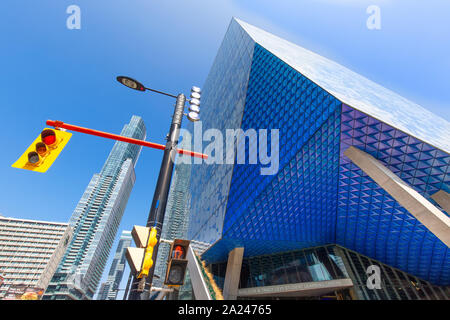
{"x": 178, "y": 252}
{"x": 33, "y": 157}
{"x": 48, "y": 136}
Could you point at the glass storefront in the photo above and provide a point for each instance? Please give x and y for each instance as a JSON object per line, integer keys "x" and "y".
{"x": 395, "y": 284}
{"x": 331, "y": 262}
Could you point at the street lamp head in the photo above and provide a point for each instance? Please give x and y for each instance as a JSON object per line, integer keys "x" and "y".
{"x": 196, "y": 89}
{"x": 195, "y": 95}
{"x": 193, "y": 116}
{"x": 194, "y": 108}
{"x": 131, "y": 83}
{"x": 194, "y": 101}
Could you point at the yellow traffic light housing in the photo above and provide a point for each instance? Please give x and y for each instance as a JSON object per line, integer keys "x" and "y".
{"x": 148, "y": 261}
{"x": 44, "y": 150}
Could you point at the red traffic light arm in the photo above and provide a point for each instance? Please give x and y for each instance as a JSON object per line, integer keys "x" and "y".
{"x": 60, "y": 124}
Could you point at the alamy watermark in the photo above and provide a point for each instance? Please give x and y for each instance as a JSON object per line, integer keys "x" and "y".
{"x": 374, "y": 277}
{"x": 232, "y": 148}
{"x": 374, "y": 20}
{"x": 74, "y": 19}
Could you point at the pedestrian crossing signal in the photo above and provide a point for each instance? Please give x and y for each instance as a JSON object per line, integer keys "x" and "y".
{"x": 177, "y": 263}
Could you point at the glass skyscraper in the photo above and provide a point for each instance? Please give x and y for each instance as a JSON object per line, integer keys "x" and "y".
{"x": 109, "y": 289}
{"x": 96, "y": 219}
{"x": 319, "y": 196}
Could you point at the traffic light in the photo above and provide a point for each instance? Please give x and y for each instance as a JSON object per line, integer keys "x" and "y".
{"x": 44, "y": 150}
{"x": 148, "y": 261}
{"x": 176, "y": 268}
{"x": 140, "y": 258}
{"x": 194, "y": 104}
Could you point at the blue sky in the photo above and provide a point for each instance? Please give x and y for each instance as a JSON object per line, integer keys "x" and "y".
{"x": 51, "y": 72}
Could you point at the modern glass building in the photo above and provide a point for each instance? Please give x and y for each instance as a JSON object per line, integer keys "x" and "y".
{"x": 361, "y": 169}
{"x": 96, "y": 219}
{"x": 30, "y": 251}
{"x": 110, "y": 288}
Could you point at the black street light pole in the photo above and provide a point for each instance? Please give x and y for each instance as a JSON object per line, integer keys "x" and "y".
{"x": 141, "y": 288}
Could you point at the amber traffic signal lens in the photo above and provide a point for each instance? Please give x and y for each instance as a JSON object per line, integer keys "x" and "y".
{"x": 41, "y": 148}
{"x": 48, "y": 136}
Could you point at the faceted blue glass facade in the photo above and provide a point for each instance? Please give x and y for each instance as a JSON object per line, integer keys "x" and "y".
{"x": 318, "y": 196}
{"x": 369, "y": 220}
{"x": 226, "y": 85}
{"x": 308, "y": 148}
